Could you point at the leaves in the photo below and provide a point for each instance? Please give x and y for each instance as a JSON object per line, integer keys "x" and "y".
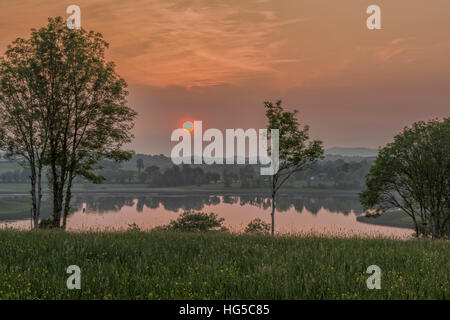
{"x": 412, "y": 173}
{"x": 296, "y": 151}
{"x": 61, "y": 101}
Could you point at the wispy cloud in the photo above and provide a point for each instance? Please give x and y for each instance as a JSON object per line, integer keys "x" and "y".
{"x": 408, "y": 50}
{"x": 198, "y": 42}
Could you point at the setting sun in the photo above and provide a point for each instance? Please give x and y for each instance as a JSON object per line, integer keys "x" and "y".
{"x": 188, "y": 126}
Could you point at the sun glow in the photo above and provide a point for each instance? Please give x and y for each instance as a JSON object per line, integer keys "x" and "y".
{"x": 188, "y": 126}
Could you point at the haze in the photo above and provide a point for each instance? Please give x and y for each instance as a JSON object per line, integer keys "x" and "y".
{"x": 217, "y": 61}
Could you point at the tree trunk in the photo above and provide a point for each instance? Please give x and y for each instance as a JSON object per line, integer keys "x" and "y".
{"x": 57, "y": 198}
{"x": 416, "y": 227}
{"x": 273, "y": 214}
{"x": 274, "y": 193}
{"x": 34, "y": 212}
{"x": 67, "y": 200}
{"x": 38, "y": 198}
{"x": 434, "y": 226}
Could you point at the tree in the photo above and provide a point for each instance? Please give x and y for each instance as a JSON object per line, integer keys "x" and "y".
{"x": 140, "y": 164}
{"x": 28, "y": 83}
{"x": 227, "y": 178}
{"x": 296, "y": 151}
{"x": 212, "y": 177}
{"x": 154, "y": 175}
{"x": 199, "y": 176}
{"x": 246, "y": 176}
{"x": 78, "y": 98}
{"x": 95, "y": 119}
{"x": 412, "y": 174}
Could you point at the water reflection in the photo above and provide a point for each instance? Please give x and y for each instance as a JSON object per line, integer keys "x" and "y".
{"x": 335, "y": 215}
{"x": 102, "y": 204}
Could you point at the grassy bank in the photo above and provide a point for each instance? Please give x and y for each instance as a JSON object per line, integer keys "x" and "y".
{"x": 135, "y": 265}
{"x": 396, "y": 218}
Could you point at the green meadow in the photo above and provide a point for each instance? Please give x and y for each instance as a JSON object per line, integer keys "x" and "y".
{"x": 170, "y": 265}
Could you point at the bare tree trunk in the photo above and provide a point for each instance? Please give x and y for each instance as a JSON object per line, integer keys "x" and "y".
{"x": 67, "y": 200}
{"x": 38, "y": 197}
{"x": 34, "y": 211}
{"x": 273, "y": 205}
{"x": 434, "y": 234}
{"x": 57, "y": 195}
{"x": 416, "y": 227}
{"x": 58, "y": 209}
{"x": 273, "y": 214}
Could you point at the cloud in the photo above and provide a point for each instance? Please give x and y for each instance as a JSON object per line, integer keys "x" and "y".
{"x": 408, "y": 50}
{"x": 190, "y": 43}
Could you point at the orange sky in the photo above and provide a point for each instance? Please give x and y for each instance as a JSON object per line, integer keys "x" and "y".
{"x": 217, "y": 61}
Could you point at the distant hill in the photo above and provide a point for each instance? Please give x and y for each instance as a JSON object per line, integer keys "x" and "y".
{"x": 352, "y": 152}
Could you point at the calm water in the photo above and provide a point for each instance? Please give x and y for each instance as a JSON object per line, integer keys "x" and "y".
{"x": 330, "y": 215}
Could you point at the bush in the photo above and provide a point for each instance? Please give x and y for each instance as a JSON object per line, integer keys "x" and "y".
{"x": 192, "y": 221}
{"x": 46, "y": 223}
{"x": 257, "y": 226}
{"x": 133, "y": 228}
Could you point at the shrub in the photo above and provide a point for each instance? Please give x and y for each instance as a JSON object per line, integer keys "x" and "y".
{"x": 257, "y": 226}
{"x": 46, "y": 223}
{"x": 133, "y": 227}
{"x": 192, "y": 221}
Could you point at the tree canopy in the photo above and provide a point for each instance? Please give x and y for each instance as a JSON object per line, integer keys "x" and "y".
{"x": 296, "y": 150}
{"x": 413, "y": 174}
{"x": 57, "y": 87}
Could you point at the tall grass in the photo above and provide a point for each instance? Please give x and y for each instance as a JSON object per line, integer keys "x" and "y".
{"x": 168, "y": 265}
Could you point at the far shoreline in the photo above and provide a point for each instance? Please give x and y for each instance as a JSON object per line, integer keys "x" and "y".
{"x": 22, "y": 189}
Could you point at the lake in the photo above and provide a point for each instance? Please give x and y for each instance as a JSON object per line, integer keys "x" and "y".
{"x": 296, "y": 214}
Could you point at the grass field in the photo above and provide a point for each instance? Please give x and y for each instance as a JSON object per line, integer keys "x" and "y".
{"x": 162, "y": 265}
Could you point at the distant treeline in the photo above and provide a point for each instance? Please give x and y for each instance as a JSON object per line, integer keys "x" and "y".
{"x": 15, "y": 176}
{"x": 325, "y": 174}
{"x": 337, "y": 174}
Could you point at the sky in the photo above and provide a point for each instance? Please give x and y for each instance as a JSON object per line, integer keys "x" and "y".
{"x": 218, "y": 60}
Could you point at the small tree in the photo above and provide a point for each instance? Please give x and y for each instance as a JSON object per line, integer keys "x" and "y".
{"x": 413, "y": 174}
{"x": 296, "y": 151}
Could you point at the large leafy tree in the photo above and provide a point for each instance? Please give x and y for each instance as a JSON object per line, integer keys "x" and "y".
{"x": 296, "y": 150}
{"x": 84, "y": 101}
{"x": 412, "y": 174}
{"x": 28, "y": 87}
